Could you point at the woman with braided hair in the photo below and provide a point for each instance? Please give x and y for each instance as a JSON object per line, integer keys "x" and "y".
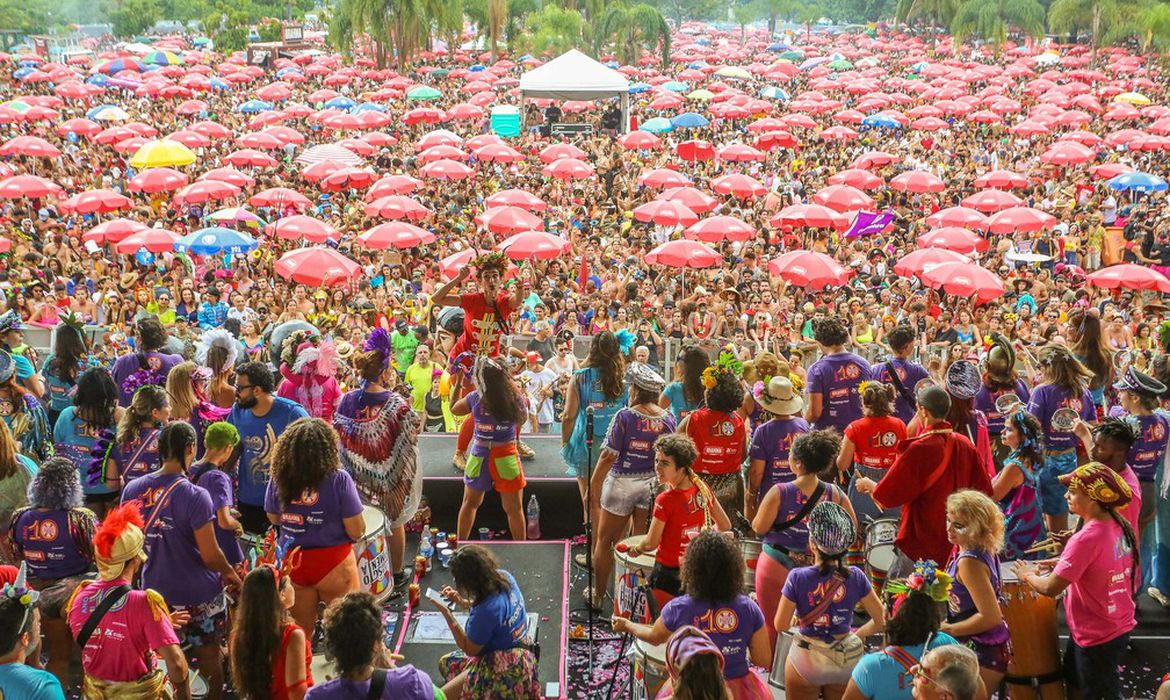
{"x": 1017, "y": 486}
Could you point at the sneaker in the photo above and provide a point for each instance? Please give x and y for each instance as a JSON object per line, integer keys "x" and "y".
{"x": 401, "y": 581}
{"x": 581, "y": 561}
{"x": 525, "y": 451}
{"x": 1159, "y": 596}
{"x": 459, "y": 461}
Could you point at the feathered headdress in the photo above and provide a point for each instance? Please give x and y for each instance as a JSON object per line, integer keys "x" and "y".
{"x": 380, "y": 340}
{"x": 493, "y": 260}
{"x": 321, "y": 360}
{"x": 626, "y": 340}
{"x": 72, "y": 320}
{"x": 118, "y": 540}
{"x": 217, "y": 337}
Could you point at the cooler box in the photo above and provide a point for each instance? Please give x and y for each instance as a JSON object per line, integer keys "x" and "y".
{"x": 506, "y": 120}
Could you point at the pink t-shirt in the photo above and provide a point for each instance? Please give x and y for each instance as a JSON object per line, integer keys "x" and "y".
{"x": 1133, "y": 508}
{"x": 123, "y": 643}
{"x": 1098, "y": 605}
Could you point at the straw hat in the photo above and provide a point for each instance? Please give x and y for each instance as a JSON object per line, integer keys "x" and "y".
{"x": 780, "y": 397}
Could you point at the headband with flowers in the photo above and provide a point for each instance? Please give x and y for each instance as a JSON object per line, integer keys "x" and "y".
{"x": 926, "y": 578}
{"x": 494, "y": 260}
{"x": 726, "y": 363}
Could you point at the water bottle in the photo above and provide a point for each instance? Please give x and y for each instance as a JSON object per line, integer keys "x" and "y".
{"x": 426, "y": 547}
{"x": 533, "y": 516}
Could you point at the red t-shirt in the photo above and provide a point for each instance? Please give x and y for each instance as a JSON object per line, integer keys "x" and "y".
{"x": 682, "y": 514}
{"x": 720, "y": 438}
{"x": 875, "y": 440}
{"x": 483, "y": 329}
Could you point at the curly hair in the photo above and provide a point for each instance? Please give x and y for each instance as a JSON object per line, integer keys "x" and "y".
{"x": 353, "y": 628}
{"x": 816, "y": 451}
{"x": 57, "y": 486}
{"x": 305, "y": 454}
{"x": 678, "y": 447}
{"x": 477, "y": 573}
{"x": 982, "y": 517}
{"x": 1032, "y": 445}
{"x": 693, "y": 360}
{"x": 901, "y": 336}
{"x": 148, "y": 399}
{"x": 499, "y": 397}
{"x": 256, "y": 633}
{"x": 727, "y": 394}
{"x": 96, "y": 400}
{"x": 915, "y": 621}
{"x": 605, "y": 355}
{"x": 830, "y": 331}
{"x": 151, "y": 334}
{"x": 878, "y": 399}
{"x": 713, "y": 569}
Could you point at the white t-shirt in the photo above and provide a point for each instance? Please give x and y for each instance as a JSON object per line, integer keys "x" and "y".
{"x": 534, "y": 383}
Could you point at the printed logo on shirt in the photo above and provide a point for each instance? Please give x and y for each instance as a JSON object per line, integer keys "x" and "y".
{"x": 726, "y": 428}
{"x": 1156, "y": 431}
{"x": 849, "y": 371}
{"x": 1075, "y": 404}
{"x": 308, "y": 498}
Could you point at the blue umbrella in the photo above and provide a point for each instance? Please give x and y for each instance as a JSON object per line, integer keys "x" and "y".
{"x": 703, "y": 41}
{"x": 369, "y": 107}
{"x": 340, "y": 102}
{"x": 254, "y": 107}
{"x": 1138, "y": 182}
{"x": 612, "y": 64}
{"x": 881, "y": 120}
{"x": 98, "y": 79}
{"x": 814, "y": 62}
{"x": 20, "y": 73}
{"x": 774, "y": 93}
{"x": 697, "y": 65}
{"x": 288, "y": 71}
{"x": 95, "y": 111}
{"x": 220, "y": 84}
{"x": 689, "y": 120}
{"x": 677, "y": 86}
{"x": 638, "y": 87}
{"x": 214, "y": 240}
{"x": 657, "y": 125}
{"x": 477, "y": 68}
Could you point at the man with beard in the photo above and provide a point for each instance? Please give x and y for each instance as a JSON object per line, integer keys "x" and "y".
{"x": 260, "y": 417}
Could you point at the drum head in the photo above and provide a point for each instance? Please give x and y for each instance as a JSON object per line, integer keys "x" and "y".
{"x": 655, "y": 654}
{"x": 1007, "y": 403}
{"x": 375, "y": 520}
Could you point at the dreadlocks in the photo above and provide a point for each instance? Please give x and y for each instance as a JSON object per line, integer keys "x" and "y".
{"x": 1120, "y": 430}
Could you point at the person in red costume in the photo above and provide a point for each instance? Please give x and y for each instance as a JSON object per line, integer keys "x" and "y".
{"x": 485, "y": 323}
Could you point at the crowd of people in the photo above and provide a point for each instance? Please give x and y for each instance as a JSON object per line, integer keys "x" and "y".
{"x": 186, "y": 467}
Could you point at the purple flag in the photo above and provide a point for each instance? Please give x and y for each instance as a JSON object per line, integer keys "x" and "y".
{"x": 868, "y": 223}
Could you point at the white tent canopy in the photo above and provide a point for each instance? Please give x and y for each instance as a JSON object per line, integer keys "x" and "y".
{"x": 575, "y": 76}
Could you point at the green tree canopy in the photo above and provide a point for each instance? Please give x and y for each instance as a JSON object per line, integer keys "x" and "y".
{"x": 553, "y": 29}
{"x": 991, "y": 20}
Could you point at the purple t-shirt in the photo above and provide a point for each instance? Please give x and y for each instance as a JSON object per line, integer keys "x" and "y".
{"x": 48, "y": 543}
{"x": 402, "y": 683}
{"x": 156, "y": 362}
{"x": 772, "y": 442}
{"x": 361, "y": 404}
{"x": 632, "y": 435}
{"x": 910, "y": 373}
{"x": 729, "y": 624}
{"x": 316, "y": 519}
{"x": 218, "y": 485}
{"x": 795, "y": 537}
{"x": 985, "y": 401}
{"x": 961, "y": 606}
{"x": 138, "y": 457}
{"x": 1147, "y": 453}
{"x": 1045, "y": 401}
{"x": 174, "y": 567}
{"x": 489, "y": 432}
{"x": 806, "y": 587}
{"x": 836, "y": 378}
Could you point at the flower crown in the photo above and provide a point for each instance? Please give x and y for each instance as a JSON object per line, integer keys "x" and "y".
{"x": 727, "y": 363}
{"x": 495, "y": 259}
{"x": 926, "y": 578}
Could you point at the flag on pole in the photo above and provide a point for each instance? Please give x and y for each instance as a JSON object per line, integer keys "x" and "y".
{"x": 868, "y": 223}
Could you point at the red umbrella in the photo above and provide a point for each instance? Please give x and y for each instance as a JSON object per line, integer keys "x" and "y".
{"x": 441, "y": 153}
{"x": 259, "y": 140}
{"x": 738, "y": 185}
{"x": 348, "y": 177}
{"x": 1002, "y": 179}
{"x": 498, "y": 153}
{"x": 395, "y": 234}
{"x": 918, "y": 181}
{"x": 157, "y": 180}
{"x": 665, "y": 213}
{"x": 1128, "y": 276}
{"x": 804, "y": 268}
{"x": 321, "y": 169}
{"x": 684, "y": 253}
{"x": 964, "y": 280}
{"x": 1067, "y": 153}
{"x": 446, "y": 169}
{"x": 300, "y": 226}
{"x": 1019, "y": 220}
{"x": 156, "y": 240}
{"x": 843, "y": 198}
{"x": 568, "y": 169}
{"x": 31, "y": 146}
{"x": 279, "y": 197}
{"x": 740, "y": 153}
{"x": 251, "y": 157}
{"x": 721, "y": 228}
{"x": 113, "y": 231}
{"x": 27, "y": 186}
{"x": 640, "y": 141}
{"x": 958, "y": 239}
{"x": 96, "y": 202}
{"x": 230, "y": 176}
{"x": 923, "y": 259}
{"x": 202, "y": 191}
{"x": 397, "y": 207}
{"x": 990, "y": 201}
{"x": 80, "y": 126}
{"x": 838, "y": 133}
{"x": 212, "y": 130}
{"x": 810, "y": 215}
{"x": 696, "y": 200}
{"x": 516, "y": 198}
{"x": 317, "y": 267}
{"x": 871, "y": 159}
{"x": 557, "y": 151}
{"x": 391, "y": 184}
{"x": 533, "y": 244}
{"x": 662, "y": 178}
{"x": 438, "y": 137}
{"x": 694, "y": 151}
{"x": 856, "y": 177}
{"x": 508, "y": 220}
{"x": 957, "y": 216}
{"x": 775, "y": 139}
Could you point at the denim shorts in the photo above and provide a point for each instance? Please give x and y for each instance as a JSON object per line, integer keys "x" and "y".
{"x": 1051, "y": 492}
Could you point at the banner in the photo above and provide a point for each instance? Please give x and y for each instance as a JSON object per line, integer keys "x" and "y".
{"x": 868, "y": 223}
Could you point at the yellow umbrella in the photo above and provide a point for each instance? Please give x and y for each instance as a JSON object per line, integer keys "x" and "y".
{"x": 733, "y": 72}
{"x": 700, "y": 95}
{"x": 1134, "y": 98}
{"x": 162, "y": 154}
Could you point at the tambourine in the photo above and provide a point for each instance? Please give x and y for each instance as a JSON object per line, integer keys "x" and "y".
{"x": 1122, "y": 360}
{"x": 1008, "y": 403}
{"x": 1065, "y": 419}
{"x": 464, "y": 365}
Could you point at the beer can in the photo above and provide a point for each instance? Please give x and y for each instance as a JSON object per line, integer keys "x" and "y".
{"x": 485, "y": 534}
{"x": 414, "y": 595}
{"x": 452, "y": 539}
{"x": 420, "y": 565}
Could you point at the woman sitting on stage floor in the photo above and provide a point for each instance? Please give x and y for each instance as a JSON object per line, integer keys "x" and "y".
{"x": 713, "y": 576}
{"x": 270, "y": 654}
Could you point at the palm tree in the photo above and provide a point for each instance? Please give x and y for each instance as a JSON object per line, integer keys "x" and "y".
{"x": 553, "y": 29}
{"x": 1107, "y": 21}
{"x": 1154, "y": 22}
{"x": 630, "y": 28}
{"x": 938, "y": 12}
{"x": 990, "y": 20}
{"x": 776, "y": 9}
{"x": 808, "y": 15}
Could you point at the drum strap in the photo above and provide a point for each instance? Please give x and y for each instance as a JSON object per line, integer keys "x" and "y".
{"x": 804, "y": 510}
{"x": 830, "y": 593}
{"x": 906, "y": 395}
{"x": 113, "y": 597}
{"x": 903, "y": 657}
{"x": 377, "y": 684}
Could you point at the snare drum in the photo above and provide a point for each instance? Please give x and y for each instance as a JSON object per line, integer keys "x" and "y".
{"x": 373, "y": 558}
{"x": 649, "y": 674}
{"x": 629, "y": 574}
{"x": 195, "y": 681}
{"x": 1031, "y": 619}
{"x": 751, "y": 548}
{"x": 322, "y": 669}
{"x": 780, "y": 660}
{"x": 880, "y": 553}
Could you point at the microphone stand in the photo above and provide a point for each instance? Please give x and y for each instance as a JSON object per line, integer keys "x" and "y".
{"x": 592, "y": 586}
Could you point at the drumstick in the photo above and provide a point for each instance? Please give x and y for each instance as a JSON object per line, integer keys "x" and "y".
{"x": 1043, "y": 545}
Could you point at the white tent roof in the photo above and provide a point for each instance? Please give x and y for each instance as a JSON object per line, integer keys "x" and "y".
{"x": 573, "y": 76}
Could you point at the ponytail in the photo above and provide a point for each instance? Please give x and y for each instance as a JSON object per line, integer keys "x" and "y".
{"x": 1131, "y": 541}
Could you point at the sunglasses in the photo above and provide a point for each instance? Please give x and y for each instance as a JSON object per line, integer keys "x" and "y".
{"x": 919, "y": 671}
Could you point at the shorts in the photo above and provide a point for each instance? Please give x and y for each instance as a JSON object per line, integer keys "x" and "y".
{"x": 666, "y": 579}
{"x": 499, "y": 469}
{"x": 55, "y": 593}
{"x": 1051, "y": 491}
{"x": 253, "y": 519}
{"x": 622, "y": 494}
{"x": 312, "y": 565}
{"x": 993, "y": 657}
{"x": 208, "y": 623}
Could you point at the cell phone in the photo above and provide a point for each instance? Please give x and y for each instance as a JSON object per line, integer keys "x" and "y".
{"x": 437, "y": 597}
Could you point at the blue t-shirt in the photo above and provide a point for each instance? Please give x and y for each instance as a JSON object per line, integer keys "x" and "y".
{"x": 24, "y": 367}
{"x": 500, "y": 621}
{"x": 258, "y": 437}
{"x": 73, "y": 439}
{"x": 879, "y": 677}
{"x": 58, "y": 393}
{"x": 679, "y": 405}
{"x": 28, "y": 683}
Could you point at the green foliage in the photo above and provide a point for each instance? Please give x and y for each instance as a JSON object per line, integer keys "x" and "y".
{"x": 130, "y": 17}
{"x": 679, "y": 10}
{"x": 858, "y": 11}
{"x": 30, "y": 16}
{"x": 1154, "y": 22}
{"x": 1107, "y": 21}
{"x": 231, "y": 39}
{"x": 991, "y": 20}
{"x": 938, "y": 13}
{"x": 553, "y": 29}
{"x": 629, "y": 29}
{"x": 269, "y": 30}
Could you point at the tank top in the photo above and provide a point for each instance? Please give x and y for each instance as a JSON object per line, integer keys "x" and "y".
{"x": 720, "y": 438}
{"x": 279, "y": 689}
{"x": 960, "y": 606}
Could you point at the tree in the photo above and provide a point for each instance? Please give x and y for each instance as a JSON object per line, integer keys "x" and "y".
{"x": 938, "y": 12}
{"x": 130, "y": 17}
{"x": 552, "y": 29}
{"x": 990, "y": 20}
{"x": 808, "y": 15}
{"x": 1154, "y": 22}
{"x": 775, "y": 9}
{"x": 679, "y": 10}
{"x": 630, "y": 28}
{"x": 745, "y": 15}
{"x": 29, "y": 16}
{"x": 1107, "y": 21}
